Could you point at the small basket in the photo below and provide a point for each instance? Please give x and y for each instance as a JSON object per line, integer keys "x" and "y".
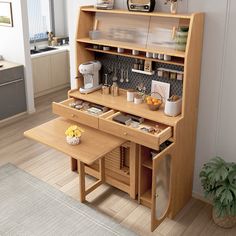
{"x": 153, "y": 107}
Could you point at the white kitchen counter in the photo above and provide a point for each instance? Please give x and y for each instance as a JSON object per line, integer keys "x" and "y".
{"x": 8, "y": 65}
{"x": 59, "y": 50}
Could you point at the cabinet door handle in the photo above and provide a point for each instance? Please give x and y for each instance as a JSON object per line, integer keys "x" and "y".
{"x": 12, "y": 82}
{"x": 73, "y": 115}
{"x": 125, "y": 133}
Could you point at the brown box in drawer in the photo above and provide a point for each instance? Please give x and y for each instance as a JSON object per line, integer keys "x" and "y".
{"x": 153, "y": 141}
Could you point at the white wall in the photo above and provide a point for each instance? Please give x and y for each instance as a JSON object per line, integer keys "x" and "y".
{"x": 226, "y": 143}
{"x": 61, "y": 26}
{"x": 14, "y": 45}
{"x": 217, "y": 113}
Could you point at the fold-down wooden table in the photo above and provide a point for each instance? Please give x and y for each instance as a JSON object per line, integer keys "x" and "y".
{"x": 94, "y": 146}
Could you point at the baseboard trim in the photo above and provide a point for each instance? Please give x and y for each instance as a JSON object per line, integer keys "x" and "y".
{"x": 201, "y": 198}
{"x": 46, "y": 92}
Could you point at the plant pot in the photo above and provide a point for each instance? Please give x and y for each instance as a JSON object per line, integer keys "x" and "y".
{"x": 224, "y": 222}
{"x": 73, "y": 140}
{"x": 173, "y": 7}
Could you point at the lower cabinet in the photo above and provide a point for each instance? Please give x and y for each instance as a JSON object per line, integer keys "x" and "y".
{"x": 42, "y": 74}
{"x": 155, "y": 181}
{"x": 12, "y": 92}
{"x": 50, "y": 72}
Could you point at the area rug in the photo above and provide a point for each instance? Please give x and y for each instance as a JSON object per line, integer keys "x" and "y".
{"x": 31, "y": 207}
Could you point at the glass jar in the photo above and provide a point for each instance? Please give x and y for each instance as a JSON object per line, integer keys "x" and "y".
{"x": 105, "y": 4}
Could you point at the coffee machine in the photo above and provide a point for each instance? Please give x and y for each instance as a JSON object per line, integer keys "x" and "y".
{"x": 91, "y": 73}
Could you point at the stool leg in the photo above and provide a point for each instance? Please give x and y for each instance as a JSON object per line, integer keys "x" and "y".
{"x": 82, "y": 181}
{"x": 74, "y": 164}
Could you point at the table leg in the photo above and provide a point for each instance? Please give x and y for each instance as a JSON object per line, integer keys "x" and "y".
{"x": 74, "y": 164}
{"x": 82, "y": 181}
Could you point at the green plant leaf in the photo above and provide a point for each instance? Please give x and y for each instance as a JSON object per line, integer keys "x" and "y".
{"x": 232, "y": 178}
{"x": 226, "y": 197}
{"x": 218, "y": 179}
{"x": 219, "y": 191}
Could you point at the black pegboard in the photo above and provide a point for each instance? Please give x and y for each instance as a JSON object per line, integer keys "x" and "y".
{"x": 111, "y": 61}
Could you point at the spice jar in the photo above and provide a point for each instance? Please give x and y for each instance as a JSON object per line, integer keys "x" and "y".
{"x": 114, "y": 89}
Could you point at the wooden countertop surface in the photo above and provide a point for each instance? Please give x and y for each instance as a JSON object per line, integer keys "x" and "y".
{"x": 94, "y": 143}
{"x": 120, "y": 104}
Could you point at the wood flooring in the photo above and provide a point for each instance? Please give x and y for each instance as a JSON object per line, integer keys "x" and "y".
{"x": 54, "y": 168}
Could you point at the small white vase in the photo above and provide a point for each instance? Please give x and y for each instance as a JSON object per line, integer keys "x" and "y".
{"x": 73, "y": 140}
{"x": 173, "y": 7}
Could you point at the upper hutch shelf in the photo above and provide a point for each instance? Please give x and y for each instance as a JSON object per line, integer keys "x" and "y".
{"x": 174, "y": 61}
{"x": 117, "y": 11}
{"x": 145, "y": 32}
{"x": 131, "y": 46}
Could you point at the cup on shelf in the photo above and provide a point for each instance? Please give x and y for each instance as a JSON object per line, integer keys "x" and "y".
{"x": 130, "y": 95}
{"x": 106, "y": 48}
{"x": 161, "y": 56}
{"x": 149, "y": 54}
{"x": 167, "y": 58}
{"x": 155, "y": 55}
{"x": 120, "y": 50}
{"x": 160, "y": 73}
{"x": 180, "y": 76}
{"x": 94, "y": 34}
{"x": 135, "y": 52}
{"x": 138, "y": 99}
{"x": 173, "y": 108}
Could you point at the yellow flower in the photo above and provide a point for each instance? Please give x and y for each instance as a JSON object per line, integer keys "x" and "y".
{"x": 74, "y": 131}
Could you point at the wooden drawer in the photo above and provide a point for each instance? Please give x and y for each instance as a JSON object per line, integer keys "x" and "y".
{"x": 63, "y": 109}
{"x": 153, "y": 141}
{"x": 12, "y": 74}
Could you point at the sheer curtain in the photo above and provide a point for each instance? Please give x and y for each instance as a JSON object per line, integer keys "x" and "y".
{"x": 40, "y": 18}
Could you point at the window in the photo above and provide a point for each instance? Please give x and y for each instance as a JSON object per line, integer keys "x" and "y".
{"x": 40, "y": 18}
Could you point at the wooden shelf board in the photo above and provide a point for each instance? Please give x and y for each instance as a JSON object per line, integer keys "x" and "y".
{"x": 155, "y": 14}
{"x": 175, "y": 61}
{"x": 130, "y": 46}
{"x": 120, "y": 103}
{"x": 148, "y": 163}
{"x": 147, "y": 196}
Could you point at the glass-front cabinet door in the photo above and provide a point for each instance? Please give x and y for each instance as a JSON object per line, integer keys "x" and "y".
{"x": 161, "y": 185}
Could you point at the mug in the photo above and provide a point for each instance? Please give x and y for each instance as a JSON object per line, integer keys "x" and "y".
{"x": 130, "y": 95}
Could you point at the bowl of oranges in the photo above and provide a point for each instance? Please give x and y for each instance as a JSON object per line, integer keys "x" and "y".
{"x": 154, "y": 101}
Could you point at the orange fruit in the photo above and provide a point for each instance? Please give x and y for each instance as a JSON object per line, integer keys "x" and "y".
{"x": 149, "y": 102}
{"x": 154, "y": 100}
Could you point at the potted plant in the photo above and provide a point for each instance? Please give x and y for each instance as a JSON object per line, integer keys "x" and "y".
{"x": 218, "y": 180}
{"x": 173, "y": 5}
{"x": 73, "y": 134}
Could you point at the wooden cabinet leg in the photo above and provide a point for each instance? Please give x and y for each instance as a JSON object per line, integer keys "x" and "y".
{"x": 74, "y": 164}
{"x": 133, "y": 170}
{"x": 102, "y": 169}
{"x": 82, "y": 181}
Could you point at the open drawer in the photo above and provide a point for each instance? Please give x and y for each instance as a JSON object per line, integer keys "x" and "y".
{"x": 136, "y": 135}
{"x": 81, "y": 116}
